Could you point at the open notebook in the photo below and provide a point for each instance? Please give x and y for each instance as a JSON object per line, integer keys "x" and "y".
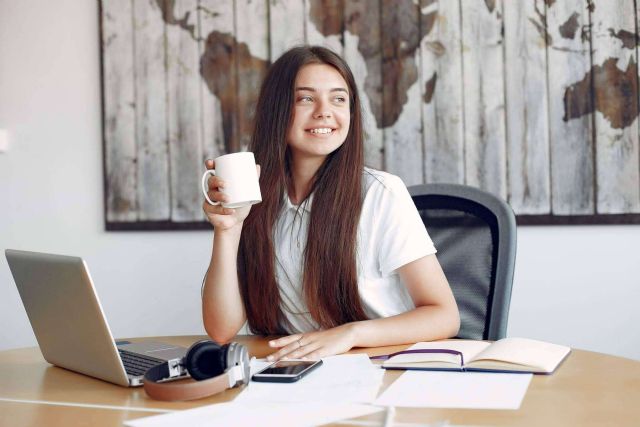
{"x": 505, "y": 355}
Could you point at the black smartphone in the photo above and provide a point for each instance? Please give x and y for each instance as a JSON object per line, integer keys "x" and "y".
{"x": 286, "y": 371}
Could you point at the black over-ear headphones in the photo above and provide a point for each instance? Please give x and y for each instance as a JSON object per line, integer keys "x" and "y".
{"x": 215, "y": 369}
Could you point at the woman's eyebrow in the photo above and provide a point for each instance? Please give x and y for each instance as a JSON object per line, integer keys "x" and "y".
{"x": 311, "y": 89}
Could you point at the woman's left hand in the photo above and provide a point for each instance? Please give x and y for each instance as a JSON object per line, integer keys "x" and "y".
{"x": 314, "y": 345}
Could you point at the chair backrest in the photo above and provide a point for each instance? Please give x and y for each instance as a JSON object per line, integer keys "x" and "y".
{"x": 475, "y": 235}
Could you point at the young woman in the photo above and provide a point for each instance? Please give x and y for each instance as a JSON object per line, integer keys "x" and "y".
{"x": 336, "y": 255}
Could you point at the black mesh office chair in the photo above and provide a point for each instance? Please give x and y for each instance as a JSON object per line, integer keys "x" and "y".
{"x": 475, "y": 235}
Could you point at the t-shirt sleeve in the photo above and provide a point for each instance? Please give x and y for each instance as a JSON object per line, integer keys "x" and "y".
{"x": 402, "y": 235}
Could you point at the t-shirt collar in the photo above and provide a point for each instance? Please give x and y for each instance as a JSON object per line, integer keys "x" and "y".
{"x": 306, "y": 205}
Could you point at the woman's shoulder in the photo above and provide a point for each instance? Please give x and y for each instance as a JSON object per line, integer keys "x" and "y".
{"x": 380, "y": 182}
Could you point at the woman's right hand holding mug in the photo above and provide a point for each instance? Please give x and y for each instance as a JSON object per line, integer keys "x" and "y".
{"x": 222, "y": 218}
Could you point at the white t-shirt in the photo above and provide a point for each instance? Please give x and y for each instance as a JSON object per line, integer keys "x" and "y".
{"x": 390, "y": 235}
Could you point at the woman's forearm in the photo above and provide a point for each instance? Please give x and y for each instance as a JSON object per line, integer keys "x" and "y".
{"x": 222, "y": 308}
{"x": 426, "y": 323}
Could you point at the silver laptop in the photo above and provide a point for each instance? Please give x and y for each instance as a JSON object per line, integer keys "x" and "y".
{"x": 69, "y": 323}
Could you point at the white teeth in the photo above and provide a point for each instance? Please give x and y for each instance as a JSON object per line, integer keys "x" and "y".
{"x": 321, "y": 130}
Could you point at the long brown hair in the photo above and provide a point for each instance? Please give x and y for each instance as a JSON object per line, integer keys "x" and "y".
{"x": 330, "y": 282}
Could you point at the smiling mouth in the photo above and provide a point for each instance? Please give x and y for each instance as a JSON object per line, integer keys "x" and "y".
{"x": 320, "y": 131}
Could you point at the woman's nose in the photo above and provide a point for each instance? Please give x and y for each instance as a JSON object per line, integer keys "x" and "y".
{"x": 322, "y": 110}
{"x": 322, "y": 113}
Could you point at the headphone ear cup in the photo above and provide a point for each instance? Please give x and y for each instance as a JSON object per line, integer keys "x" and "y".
{"x": 206, "y": 359}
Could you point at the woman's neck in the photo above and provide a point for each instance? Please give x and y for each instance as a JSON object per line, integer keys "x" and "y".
{"x": 302, "y": 174}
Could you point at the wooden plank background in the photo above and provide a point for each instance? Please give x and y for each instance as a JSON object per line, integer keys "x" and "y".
{"x": 119, "y": 113}
{"x": 535, "y": 101}
{"x": 571, "y": 140}
{"x": 527, "y": 106}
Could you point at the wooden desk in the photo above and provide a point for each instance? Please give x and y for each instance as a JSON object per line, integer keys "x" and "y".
{"x": 589, "y": 389}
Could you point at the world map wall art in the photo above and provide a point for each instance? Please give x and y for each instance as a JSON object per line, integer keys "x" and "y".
{"x": 535, "y": 101}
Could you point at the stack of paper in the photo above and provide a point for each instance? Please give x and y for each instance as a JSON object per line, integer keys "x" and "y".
{"x": 334, "y": 391}
{"x": 349, "y": 378}
{"x": 257, "y": 414}
{"x": 479, "y": 390}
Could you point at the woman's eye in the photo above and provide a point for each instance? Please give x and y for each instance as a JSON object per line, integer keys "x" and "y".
{"x": 305, "y": 99}
{"x": 340, "y": 99}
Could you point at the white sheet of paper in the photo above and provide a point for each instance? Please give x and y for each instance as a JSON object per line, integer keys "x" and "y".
{"x": 258, "y": 364}
{"x": 473, "y": 390}
{"x": 349, "y": 378}
{"x": 257, "y": 414}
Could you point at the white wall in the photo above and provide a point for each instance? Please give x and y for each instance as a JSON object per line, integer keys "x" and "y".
{"x": 574, "y": 285}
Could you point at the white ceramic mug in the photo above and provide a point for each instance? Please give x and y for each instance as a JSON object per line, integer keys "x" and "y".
{"x": 238, "y": 171}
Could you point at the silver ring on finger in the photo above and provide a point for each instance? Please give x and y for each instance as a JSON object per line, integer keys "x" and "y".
{"x": 299, "y": 343}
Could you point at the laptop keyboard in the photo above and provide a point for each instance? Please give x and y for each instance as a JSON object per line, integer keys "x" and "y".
{"x": 137, "y": 364}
